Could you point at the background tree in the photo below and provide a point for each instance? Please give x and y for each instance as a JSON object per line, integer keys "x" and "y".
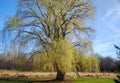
{"x": 118, "y": 53}
{"x": 52, "y": 27}
{"x": 108, "y": 64}
{"x": 118, "y": 50}
{"x": 84, "y": 63}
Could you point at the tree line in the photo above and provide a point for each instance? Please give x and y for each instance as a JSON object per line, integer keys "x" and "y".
{"x": 41, "y": 63}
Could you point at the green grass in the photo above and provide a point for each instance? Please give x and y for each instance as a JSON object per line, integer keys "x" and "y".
{"x": 22, "y": 80}
{"x": 27, "y": 80}
{"x": 94, "y": 80}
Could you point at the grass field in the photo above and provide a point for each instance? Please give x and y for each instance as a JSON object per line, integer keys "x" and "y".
{"x": 94, "y": 80}
{"x": 84, "y": 80}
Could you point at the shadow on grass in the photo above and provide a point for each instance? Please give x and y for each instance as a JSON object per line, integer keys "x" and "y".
{"x": 117, "y": 80}
{"x": 27, "y": 80}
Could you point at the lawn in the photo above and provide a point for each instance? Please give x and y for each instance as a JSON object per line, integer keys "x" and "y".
{"x": 94, "y": 80}
{"x": 26, "y": 80}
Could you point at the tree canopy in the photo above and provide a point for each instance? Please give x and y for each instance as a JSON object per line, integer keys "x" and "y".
{"x": 48, "y": 21}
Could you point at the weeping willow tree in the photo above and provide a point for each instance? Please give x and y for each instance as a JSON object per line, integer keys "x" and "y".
{"x": 52, "y": 27}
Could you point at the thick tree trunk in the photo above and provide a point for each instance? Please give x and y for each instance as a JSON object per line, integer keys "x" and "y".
{"x": 60, "y": 76}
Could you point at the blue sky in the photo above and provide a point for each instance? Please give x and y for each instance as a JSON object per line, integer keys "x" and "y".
{"x": 106, "y": 24}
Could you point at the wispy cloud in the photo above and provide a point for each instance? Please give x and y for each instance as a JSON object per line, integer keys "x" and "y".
{"x": 108, "y": 27}
{"x": 108, "y": 14}
{"x": 102, "y": 46}
{"x": 105, "y": 49}
{"x": 112, "y": 18}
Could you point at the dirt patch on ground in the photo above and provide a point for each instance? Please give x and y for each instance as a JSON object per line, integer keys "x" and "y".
{"x": 49, "y": 75}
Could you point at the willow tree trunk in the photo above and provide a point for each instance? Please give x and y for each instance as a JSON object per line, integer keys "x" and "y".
{"x": 60, "y": 76}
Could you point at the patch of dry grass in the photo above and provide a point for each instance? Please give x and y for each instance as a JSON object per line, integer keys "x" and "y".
{"x": 49, "y": 75}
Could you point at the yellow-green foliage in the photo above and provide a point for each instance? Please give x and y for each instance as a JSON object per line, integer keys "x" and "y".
{"x": 66, "y": 58}
{"x": 61, "y": 55}
{"x": 84, "y": 63}
{"x": 42, "y": 63}
{"x": 94, "y": 63}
